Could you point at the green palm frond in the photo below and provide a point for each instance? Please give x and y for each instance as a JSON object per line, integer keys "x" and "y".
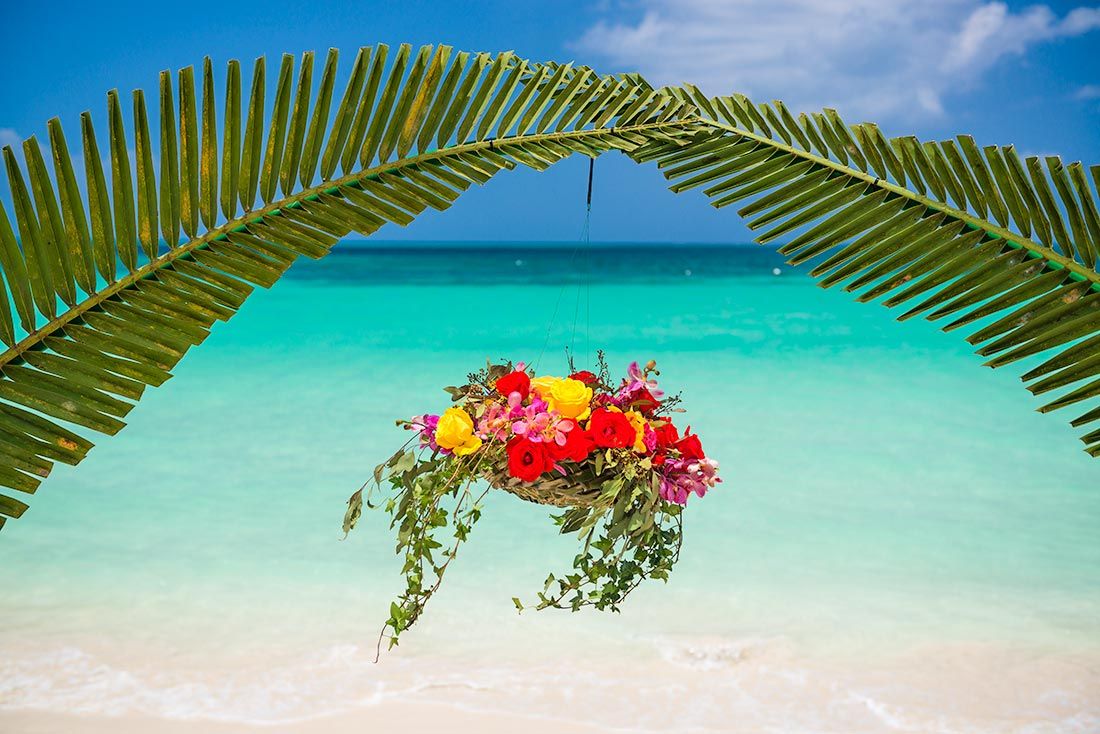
{"x": 946, "y": 228}
{"x": 107, "y": 288}
{"x": 112, "y": 273}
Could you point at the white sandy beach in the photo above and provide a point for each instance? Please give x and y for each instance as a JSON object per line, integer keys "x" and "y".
{"x": 406, "y": 718}
{"x": 705, "y": 686}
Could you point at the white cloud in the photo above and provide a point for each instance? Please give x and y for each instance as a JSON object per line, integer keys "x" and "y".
{"x": 1089, "y": 91}
{"x": 992, "y": 31}
{"x": 869, "y": 58}
{"x": 10, "y": 137}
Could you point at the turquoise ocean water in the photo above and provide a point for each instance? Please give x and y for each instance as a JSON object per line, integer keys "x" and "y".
{"x": 901, "y": 542}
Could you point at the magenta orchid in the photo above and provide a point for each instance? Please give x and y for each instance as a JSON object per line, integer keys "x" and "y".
{"x": 682, "y": 477}
{"x": 425, "y": 425}
{"x": 637, "y": 381}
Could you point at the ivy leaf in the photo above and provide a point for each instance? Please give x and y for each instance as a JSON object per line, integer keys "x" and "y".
{"x": 355, "y": 511}
{"x": 573, "y": 520}
{"x": 406, "y": 461}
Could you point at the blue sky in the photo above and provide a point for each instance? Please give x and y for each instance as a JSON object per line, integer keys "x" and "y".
{"x": 1011, "y": 72}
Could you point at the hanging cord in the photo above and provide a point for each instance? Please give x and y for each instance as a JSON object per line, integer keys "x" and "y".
{"x": 584, "y": 281}
{"x": 583, "y": 240}
{"x": 587, "y": 269}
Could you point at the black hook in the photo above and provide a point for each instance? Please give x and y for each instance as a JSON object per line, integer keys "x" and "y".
{"x": 591, "y": 165}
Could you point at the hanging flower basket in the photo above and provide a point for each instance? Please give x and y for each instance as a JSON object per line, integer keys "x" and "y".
{"x": 608, "y": 454}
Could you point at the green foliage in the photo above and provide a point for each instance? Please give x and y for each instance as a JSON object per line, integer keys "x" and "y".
{"x": 103, "y": 292}
{"x": 627, "y": 535}
{"x": 433, "y": 508}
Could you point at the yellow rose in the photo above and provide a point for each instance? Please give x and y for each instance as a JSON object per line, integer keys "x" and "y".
{"x": 570, "y": 398}
{"x": 456, "y": 432}
{"x": 639, "y": 422}
{"x": 541, "y": 385}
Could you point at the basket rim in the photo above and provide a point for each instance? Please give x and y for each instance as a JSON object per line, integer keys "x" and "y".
{"x": 558, "y": 490}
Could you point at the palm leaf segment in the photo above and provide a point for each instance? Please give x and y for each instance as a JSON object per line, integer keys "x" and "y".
{"x": 107, "y": 285}
{"x": 946, "y": 229}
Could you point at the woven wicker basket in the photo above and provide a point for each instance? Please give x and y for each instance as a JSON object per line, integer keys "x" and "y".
{"x": 558, "y": 491}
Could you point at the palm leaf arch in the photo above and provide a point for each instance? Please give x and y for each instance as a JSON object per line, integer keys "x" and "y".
{"x": 106, "y": 285}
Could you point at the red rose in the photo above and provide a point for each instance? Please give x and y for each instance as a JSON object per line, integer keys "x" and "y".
{"x": 689, "y": 446}
{"x": 578, "y": 445}
{"x": 667, "y": 435}
{"x": 588, "y": 378}
{"x": 643, "y": 401}
{"x": 610, "y": 429}
{"x": 518, "y": 381}
{"x": 527, "y": 460}
{"x": 659, "y": 459}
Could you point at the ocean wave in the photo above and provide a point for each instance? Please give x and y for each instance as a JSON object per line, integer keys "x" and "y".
{"x": 709, "y": 653}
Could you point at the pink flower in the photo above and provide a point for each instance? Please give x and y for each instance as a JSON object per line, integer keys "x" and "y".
{"x": 538, "y": 424}
{"x": 636, "y": 382}
{"x": 515, "y": 405}
{"x": 425, "y": 425}
{"x": 637, "y": 392}
{"x": 496, "y": 422}
{"x": 682, "y": 477}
